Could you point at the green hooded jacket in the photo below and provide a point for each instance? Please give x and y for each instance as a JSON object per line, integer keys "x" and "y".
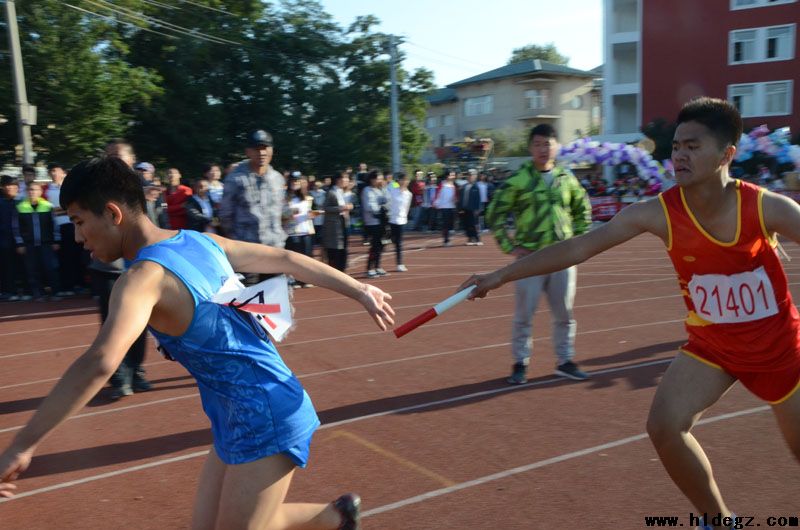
{"x": 543, "y": 214}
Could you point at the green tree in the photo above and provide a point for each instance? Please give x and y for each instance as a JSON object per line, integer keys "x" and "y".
{"x": 78, "y": 76}
{"x": 546, "y": 52}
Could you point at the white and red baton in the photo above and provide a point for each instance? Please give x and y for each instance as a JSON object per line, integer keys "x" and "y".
{"x": 433, "y": 312}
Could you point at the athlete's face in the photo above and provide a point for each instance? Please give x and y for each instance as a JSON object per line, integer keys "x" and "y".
{"x": 99, "y": 234}
{"x": 697, "y": 154}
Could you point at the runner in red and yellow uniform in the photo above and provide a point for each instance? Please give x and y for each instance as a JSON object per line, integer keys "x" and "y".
{"x": 721, "y": 236}
{"x": 741, "y": 315}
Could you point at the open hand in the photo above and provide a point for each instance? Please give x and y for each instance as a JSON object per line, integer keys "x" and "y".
{"x": 376, "y": 302}
{"x": 483, "y": 284}
{"x": 12, "y": 463}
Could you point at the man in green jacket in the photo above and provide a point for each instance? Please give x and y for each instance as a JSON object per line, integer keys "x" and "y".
{"x": 548, "y": 205}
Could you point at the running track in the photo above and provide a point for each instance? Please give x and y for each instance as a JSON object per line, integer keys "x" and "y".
{"x": 423, "y": 427}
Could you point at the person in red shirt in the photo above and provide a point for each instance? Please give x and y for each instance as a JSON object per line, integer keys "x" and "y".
{"x": 177, "y": 195}
{"x": 720, "y": 234}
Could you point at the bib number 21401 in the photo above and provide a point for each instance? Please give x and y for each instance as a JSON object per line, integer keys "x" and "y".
{"x": 741, "y": 297}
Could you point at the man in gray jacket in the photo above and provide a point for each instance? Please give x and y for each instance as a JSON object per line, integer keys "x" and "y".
{"x": 253, "y": 197}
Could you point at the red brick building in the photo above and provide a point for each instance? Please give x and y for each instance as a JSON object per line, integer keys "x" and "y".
{"x": 746, "y": 51}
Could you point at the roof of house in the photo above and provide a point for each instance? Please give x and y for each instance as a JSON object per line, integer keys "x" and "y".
{"x": 442, "y": 95}
{"x": 532, "y": 66}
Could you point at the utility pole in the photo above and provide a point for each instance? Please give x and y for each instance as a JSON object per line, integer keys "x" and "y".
{"x": 26, "y": 113}
{"x": 395, "y": 116}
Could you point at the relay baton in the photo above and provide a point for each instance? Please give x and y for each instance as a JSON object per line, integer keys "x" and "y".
{"x": 433, "y": 312}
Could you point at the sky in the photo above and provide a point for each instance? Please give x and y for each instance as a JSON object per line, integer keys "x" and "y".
{"x": 457, "y": 39}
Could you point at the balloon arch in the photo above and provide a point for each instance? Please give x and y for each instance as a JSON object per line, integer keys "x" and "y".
{"x": 588, "y": 151}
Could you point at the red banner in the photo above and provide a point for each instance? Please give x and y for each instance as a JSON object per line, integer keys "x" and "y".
{"x": 604, "y": 208}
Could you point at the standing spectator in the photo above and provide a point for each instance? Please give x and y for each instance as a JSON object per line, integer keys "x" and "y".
{"x": 28, "y": 176}
{"x": 37, "y": 241}
{"x": 129, "y": 375}
{"x": 70, "y": 253}
{"x": 445, "y": 205}
{"x": 177, "y": 195}
{"x": 428, "y": 216}
{"x": 485, "y": 187}
{"x": 337, "y": 221}
{"x": 155, "y": 207}
{"x": 374, "y": 209}
{"x": 417, "y": 189}
{"x": 318, "y": 194}
{"x": 299, "y": 221}
{"x": 549, "y": 205}
{"x": 252, "y": 203}
{"x": 469, "y": 203}
{"x": 213, "y": 174}
{"x": 200, "y": 209}
{"x": 146, "y": 171}
{"x": 399, "y": 204}
{"x": 9, "y": 272}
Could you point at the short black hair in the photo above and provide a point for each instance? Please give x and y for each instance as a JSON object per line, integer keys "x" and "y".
{"x": 8, "y": 180}
{"x": 721, "y": 117}
{"x": 27, "y": 168}
{"x": 93, "y": 183}
{"x": 53, "y": 166}
{"x": 543, "y": 129}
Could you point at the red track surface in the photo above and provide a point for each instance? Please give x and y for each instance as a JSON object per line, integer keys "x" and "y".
{"x": 424, "y": 427}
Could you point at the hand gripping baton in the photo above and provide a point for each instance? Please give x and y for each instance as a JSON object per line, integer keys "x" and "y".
{"x": 433, "y": 312}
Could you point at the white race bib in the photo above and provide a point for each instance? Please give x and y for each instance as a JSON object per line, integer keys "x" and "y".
{"x": 741, "y": 297}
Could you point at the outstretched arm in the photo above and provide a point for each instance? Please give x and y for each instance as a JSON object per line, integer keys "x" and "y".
{"x": 132, "y": 301}
{"x": 630, "y": 222}
{"x": 251, "y": 257}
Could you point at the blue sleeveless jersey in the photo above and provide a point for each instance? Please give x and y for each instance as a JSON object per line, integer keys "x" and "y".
{"x": 256, "y": 405}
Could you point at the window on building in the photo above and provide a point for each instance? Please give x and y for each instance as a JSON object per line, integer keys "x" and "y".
{"x": 780, "y": 42}
{"x": 538, "y": 98}
{"x": 743, "y": 46}
{"x": 576, "y": 102}
{"x": 743, "y": 96}
{"x": 748, "y": 4}
{"x": 772, "y": 98}
{"x": 448, "y": 120}
{"x": 432, "y": 122}
{"x": 777, "y": 98}
{"x": 752, "y": 45}
{"x": 478, "y": 106}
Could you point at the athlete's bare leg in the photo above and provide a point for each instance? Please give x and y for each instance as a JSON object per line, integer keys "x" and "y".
{"x": 252, "y": 498}
{"x": 206, "y": 503}
{"x": 788, "y": 415}
{"x": 688, "y": 388}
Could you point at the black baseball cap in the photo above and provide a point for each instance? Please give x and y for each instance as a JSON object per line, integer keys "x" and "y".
{"x": 259, "y": 138}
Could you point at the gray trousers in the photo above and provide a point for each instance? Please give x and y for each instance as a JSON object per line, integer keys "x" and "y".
{"x": 560, "y": 289}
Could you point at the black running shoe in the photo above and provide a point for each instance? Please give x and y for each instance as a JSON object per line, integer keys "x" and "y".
{"x": 349, "y": 507}
{"x": 519, "y": 374}
{"x": 570, "y": 370}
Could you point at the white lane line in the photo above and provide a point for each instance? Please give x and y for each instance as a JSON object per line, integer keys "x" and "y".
{"x": 21, "y": 354}
{"x": 326, "y": 426}
{"x": 44, "y": 313}
{"x": 540, "y": 464}
{"x": 392, "y": 361}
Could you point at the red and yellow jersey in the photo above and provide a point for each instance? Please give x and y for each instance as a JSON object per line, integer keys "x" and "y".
{"x": 736, "y": 291}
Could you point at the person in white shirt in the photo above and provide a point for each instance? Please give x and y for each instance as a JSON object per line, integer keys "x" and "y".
{"x": 299, "y": 224}
{"x": 445, "y": 204}
{"x": 399, "y": 204}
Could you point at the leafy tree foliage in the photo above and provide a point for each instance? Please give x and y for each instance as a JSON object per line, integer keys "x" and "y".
{"x": 546, "y": 52}
{"x": 186, "y": 81}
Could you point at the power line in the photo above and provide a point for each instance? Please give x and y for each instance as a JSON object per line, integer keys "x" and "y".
{"x": 450, "y": 56}
{"x": 112, "y": 19}
{"x": 208, "y": 7}
{"x": 160, "y": 23}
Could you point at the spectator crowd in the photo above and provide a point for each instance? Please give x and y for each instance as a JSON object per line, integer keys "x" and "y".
{"x": 248, "y": 201}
